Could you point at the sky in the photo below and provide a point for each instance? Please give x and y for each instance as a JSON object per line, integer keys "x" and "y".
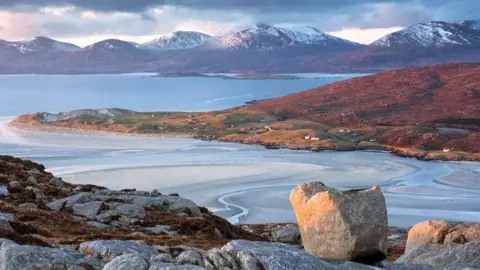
{"x": 87, "y": 21}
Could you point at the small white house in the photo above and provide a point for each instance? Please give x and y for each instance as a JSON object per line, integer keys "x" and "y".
{"x": 342, "y": 131}
{"x": 307, "y": 137}
{"x": 447, "y": 150}
{"x": 268, "y": 128}
{"x": 315, "y": 139}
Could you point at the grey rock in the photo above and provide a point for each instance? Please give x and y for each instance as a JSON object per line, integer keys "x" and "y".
{"x": 275, "y": 256}
{"x": 127, "y": 262}
{"x": 125, "y": 198}
{"x": 7, "y": 216}
{"x": 78, "y": 218}
{"x": 354, "y": 222}
{"x": 190, "y": 257}
{"x": 182, "y": 205}
{"x": 14, "y": 256}
{"x": 56, "y": 182}
{"x": 222, "y": 259}
{"x": 4, "y": 192}
{"x": 28, "y": 206}
{"x": 15, "y": 187}
{"x": 89, "y": 210}
{"x": 248, "y": 262}
{"x": 159, "y": 229}
{"x": 162, "y": 258}
{"x": 57, "y": 205}
{"x": 37, "y": 193}
{"x": 447, "y": 255}
{"x": 35, "y": 171}
{"x": 287, "y": 235}
{"x": 112, "y": 205}
{"x": 31, "y": 181}
{"x": 170, "y": 266}
{"x": 402, "y": 266}
{"x": 106, "y": 217}
{"x": 5, "y": 225}
{"x": 155, "y": 193}
{"x": 127, "y": 221}
{"x": 98, "y": 225}
{"x": 131, "y": 210}
{"x": 171, "y": 203}
{"x": 138, "y": 234}
{"x": 115, "y": 224}
{"x": 109, "y": 249}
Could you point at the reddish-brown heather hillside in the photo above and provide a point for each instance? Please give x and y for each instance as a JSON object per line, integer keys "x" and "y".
{"x": 447, "y": 95}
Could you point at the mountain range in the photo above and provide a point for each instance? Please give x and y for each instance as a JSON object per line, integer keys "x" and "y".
{"x": 258, "y": 48}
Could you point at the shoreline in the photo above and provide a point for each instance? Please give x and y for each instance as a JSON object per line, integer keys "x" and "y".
{"x": 21, "y": 127}
{"x": 78, "y": 131}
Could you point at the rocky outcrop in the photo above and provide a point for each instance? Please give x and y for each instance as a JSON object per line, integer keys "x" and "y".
{"x": 448, "y": 255}
{"x": 341, "y": 225}
{"x": 109, "y": 249}
{"x": 443, "y": 244}
{"x": 443, "y": 232}
{"x": 14, "y": 256}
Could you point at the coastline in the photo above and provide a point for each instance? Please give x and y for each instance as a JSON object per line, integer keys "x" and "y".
{"x": 68, "y": 130}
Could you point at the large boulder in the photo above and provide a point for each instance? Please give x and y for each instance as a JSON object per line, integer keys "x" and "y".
{"x": 342, "y": 225}
{"x": 14, "y": 256}
{"x": 57, "y": 205}
{"x": 109, "y": 249}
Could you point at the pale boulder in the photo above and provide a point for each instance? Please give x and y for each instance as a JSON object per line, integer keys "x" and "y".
{"x": 341, "y": 225}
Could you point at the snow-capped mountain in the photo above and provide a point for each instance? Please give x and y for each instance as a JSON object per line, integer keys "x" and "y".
{"x": 40, "y": 45}
{"x": 110, "y": 45}
{"x": 176, "y": 41}
{"x": 267, "y": 37}
{"x": 434, "y": 34}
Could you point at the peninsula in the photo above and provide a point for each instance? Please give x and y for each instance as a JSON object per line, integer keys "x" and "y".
{"x": 431, "y": 113}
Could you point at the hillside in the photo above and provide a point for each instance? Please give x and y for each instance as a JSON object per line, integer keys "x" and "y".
{"x": 429, "y": 113}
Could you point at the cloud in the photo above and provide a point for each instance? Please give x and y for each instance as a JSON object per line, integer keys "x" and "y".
{"x": 141, "y": 18}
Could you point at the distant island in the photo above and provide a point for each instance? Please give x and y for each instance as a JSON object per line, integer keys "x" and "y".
{"x": 242, "y": 76}
{"x": 430, "y": 113}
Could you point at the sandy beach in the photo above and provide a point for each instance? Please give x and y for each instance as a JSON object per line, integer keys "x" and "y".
{"x": 249, "y": 184}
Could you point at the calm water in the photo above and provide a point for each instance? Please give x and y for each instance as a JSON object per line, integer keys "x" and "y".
{"x": 243, "y": 183}
{"x": 20, "y": 94}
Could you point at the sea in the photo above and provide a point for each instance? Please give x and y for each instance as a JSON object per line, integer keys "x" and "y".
{"x": 243, "y": 183}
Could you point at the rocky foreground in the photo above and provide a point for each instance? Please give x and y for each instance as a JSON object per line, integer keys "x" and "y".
{"x": 46, "y": 223}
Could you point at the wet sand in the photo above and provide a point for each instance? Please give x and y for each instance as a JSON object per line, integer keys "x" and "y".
{"x": 250, "y": 184}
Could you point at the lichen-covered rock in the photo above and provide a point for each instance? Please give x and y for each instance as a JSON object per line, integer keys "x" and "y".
{"x": 31, "y": 181}
{"x": 274, "y": 256}
{"x": 446, "y": 255}
{"x": 89, "y": 210}
{"x": 127, "y": 262}
{"x": 14, "y": 256}
{"x": 162, "y": 258}
{"x": 341, "y": 225}
{"x": 190, "y": 257}
{"x": 429, "y": 232}
{"x": 107, "y": 216}
{"x": 109, "y": 249}
{"x": 57, "y": 205}
{"x": 131, "y": 210}
{"x": 171, "y": 203}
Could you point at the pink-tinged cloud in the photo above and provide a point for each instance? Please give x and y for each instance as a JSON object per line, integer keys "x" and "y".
{"x": 18, "y": 26}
